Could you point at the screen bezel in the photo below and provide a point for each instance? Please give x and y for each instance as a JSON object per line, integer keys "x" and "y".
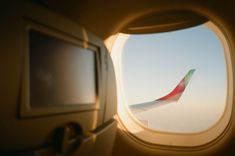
{"x": 26, "y": 109}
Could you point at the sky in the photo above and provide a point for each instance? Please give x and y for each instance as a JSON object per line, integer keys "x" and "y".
{"x": 153, "y": 64}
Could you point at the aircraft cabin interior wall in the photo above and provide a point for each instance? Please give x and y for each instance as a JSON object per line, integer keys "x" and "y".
{"x": 64, "y": 77}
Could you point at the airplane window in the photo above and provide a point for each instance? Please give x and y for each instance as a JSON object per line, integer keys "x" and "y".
{"x": 174, "y": 82}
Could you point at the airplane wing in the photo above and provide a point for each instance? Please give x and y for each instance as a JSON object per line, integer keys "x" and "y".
{"x": 174, "y": 95}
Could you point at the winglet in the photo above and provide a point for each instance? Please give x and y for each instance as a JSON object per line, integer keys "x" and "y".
{"x": 175, "y": 94}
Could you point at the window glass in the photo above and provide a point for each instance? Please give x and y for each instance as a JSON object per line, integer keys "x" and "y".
{"x": 175, "y": 81}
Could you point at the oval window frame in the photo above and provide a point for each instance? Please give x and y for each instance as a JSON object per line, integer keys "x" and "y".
{"x": 135, "y": 130}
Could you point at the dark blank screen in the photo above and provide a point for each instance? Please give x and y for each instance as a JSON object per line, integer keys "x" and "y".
{"x": 61, "y": 73}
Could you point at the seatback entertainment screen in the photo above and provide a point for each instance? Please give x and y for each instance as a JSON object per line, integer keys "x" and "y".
{"x": 61, "y": 72}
